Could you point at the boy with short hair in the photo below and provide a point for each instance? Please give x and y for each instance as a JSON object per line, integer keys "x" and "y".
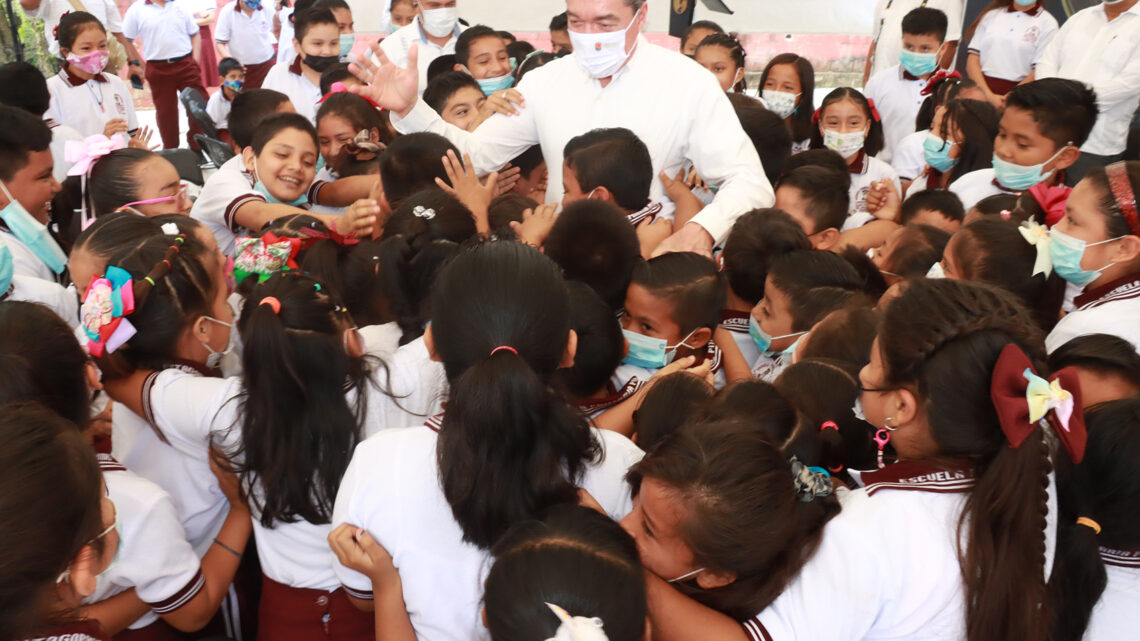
{"x": 817, "y": 198}
{"x": 345, "y": 25}
{"x": 218, "y": 108}
{"x": 245, "y": 32}
{"x": 1039, "y": 136}
{"x": 317, "y": 39}
{"x": 560, "y": 34}
{"x": 593, "y": 244}
{"x": 482, "y": 53}
{"x": 897, "y": 91}
{"x": 26, "y": 191}
{"x": 611, "y": 165}
{"x": 939, "y": 208}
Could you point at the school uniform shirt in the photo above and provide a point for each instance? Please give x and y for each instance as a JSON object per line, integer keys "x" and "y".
{"x": 865, "y": 171}
{"x": 154, "y": 557}
{"x": 736, "y": 323}
{"x": 396, "y": 47}
{"x": 165, "y": 31}
{"x": 87, "y": 105}
{"x": 768, "y": 367}
{"x": 192, "y": 412}
{"x": 249, "y": 38}
{"x": 909, "y": 158}
{"x": 976, "y": 185}
{"x": 862, "y": 582}
{"x": 1009, "y": 42}
{"x": 416, "y": 385}
{"x": 889, "y": 15}
{"x": 50, "y": 11}
{"x": 285, "y": 50}
{"x": 25, "y": 262}
{"x": 1114, "y": 616}
{"x": 287, "y": 78}
{"x": 1113, "y": 308}
{"x": 563, "y": 101}
{"x": 229, "y": 188}
{"x": 592, "y": 408}
{"x": 381, "y": 341}
{"x": 1106, "y": 56}
{"x": 218, "y": 108}
{"x": 325, "y": 175}
{"x": 47, "y": 293}
{"x": 392, "y": 490}
{"x": 627, "y": 374}
{"x": 60, "y": 135}
{"x": 82, "y": 630}
{"x": 898, "y": 97}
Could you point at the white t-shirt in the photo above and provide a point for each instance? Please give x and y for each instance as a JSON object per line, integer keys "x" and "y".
{"x": 1114, "y": 616}
{"x": 87, "y": 106}
{"x": 218, "y": 108}
{"x": 910, "y": 156}
{"x": 977, "y": 185}
{"x": 392, "y": 490}
{"x": 1111, "y": 309}
{"x": 229, "y": 188}
{"x": 50, "y": 11}
{"x": 154, "y": 557}
{"x": 287, "y": 78}
{"x": 47, "y": 293}
{"x": 60, "y": 135}
{"x": 248, "y": 37}
{"x": 1009, "y": 42}
{"x": 867, "y": 171}
{"x": 898, "y": 100}
{"x": 417, "y": 384}
{"x": 396, "y": 47}
{"x": 889, "y": 15}
{"x": 381, "y": 341}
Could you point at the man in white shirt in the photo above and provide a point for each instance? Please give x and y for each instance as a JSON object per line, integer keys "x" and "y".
{"x": 615, "y": 78}
{"x": 887, "y": 43}
{"x": 245, "y": 33}
{"x": 50, "y": 11}
{"x": 1100, "y": 46}
{"x": 434, "y": 32}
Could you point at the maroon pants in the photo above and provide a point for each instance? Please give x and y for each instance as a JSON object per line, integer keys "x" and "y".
{"x": 1000, "y": 86}
{"x": 255, "y": 74}
{"x": 297, "y": 614}
{"x": 166, "y": 79}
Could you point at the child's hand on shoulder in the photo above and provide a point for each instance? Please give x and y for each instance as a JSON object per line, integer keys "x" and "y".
{"x": 536, "y": 224}
{"x": 651, "y": 232}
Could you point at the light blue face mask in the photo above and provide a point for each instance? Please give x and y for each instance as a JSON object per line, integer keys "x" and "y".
{"x": 936, "y": 150}
{"x": 6, "y": 269}
{"x": 1019, "y": 177}
{"x": 763, "y": 340}
{"x": 918, "y": 64}
{"x": 1068, "y": 252}
{"x": 648, "y": 352}
{"x": 32, "y": 233}
{"x": 260, "y": 188}
{"x": 491, "y": 85}
{"x": 346, "y": 42}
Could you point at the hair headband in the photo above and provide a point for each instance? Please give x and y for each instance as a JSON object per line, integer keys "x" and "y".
{"x": 1024, "y": 400}
{"x": 1121, "y": 187}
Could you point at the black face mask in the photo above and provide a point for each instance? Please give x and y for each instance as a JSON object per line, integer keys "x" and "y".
{"x": 320, "y": 63}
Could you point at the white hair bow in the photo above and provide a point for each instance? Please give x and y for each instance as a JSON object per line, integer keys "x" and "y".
{"x": 1037, "y": 235}
{"x": 576, "y": 628}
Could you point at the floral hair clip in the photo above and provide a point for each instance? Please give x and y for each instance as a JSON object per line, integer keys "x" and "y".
{"x": 426, "y": 213}
{"x": 1037, "y": 235}
{"x": 1023, "y": 400}
{"x": 110, "y": 299}
{"x": 264, "y": 256}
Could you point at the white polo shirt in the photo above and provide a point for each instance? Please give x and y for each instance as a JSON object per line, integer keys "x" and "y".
{"x": 248, "y": 37}
{"x": 154, "y": 557}
{"x": 909, "y": 158}
{"x": 165, "y": 31}
{"x": 285, "y": 50}
{"x": 50, "y": 11}
{"x": 1009, "y": 42}
{"x": 1114, "y": 616}
{"x": 229, "y": 188}
{"x": 218, "y": 108}
{"x": 866, "y": 171}
{"x": 889, "y": 15}
{"x": 563, "y": 101}
{"x": 418, "y": 385}
{"x": 87, "y": 105}
{"x": 288, "y": 79}
{"x": 976, "y": 185}
{"x": 47, "y": 293}
{"x": 396, "y": 47}
{"x": 1106, "y": 56}
{"x": 392, "y": 490}
{"x": 1113, "y": 308}
{"x": 60, "y": 134}
{"x": 898, "y": 97}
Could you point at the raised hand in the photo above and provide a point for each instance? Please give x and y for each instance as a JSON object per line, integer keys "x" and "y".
{"x": 466, "y": 186}
{"x": 535, "y": 225}
{"x": 392, "y": 87}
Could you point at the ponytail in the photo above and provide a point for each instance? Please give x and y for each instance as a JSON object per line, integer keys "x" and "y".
{"x": 509, "y": 446}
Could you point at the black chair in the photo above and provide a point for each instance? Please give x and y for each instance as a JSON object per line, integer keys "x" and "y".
{"x": 186, "y": 162}
{"x": 217, "y": 151}
{"x": 195, "y": 105}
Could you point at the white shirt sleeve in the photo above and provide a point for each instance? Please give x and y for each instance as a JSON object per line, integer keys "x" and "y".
{"x": 188, "y": 410}
{"x": 350, "y": 508}
{"x": 1123, "y": 86}
{"x": 114, "y": 18}
{"x": 978, "y": 42}
{"x": 954, "y": 20}
{"x": 1049, "y": 61}
{"x": 131, "y": 22}
{"x": 224, "y": 24}
{"x": 1047, "y": 34}
{"x": 191, "y": 26}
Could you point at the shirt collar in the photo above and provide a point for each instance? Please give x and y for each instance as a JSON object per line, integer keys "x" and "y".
{"x": 75, "y": 81}
{"x": 1093, "y": 295}
{"x": 860, "y": 165}
{"x": 951, "y": 476}
{"x": 295, "y": 68}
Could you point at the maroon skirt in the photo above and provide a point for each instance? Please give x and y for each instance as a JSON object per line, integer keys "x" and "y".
{"x": 299, "y": 614}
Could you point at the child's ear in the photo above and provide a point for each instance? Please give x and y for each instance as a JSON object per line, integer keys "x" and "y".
{"x": 1068, "y": 156}
{"x": 604, "y": 194}
{"x": 570, "y": 352}
{"x": 709, "y": 580}
{"x": 247, "y": 158}
{"x": 701, "y": 337}
{"x": 825, "y": 239}
{"x": 1128, "y": 249}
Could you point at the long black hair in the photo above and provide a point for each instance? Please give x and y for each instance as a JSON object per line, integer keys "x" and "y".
{"x": 509, "y": 446}
{"x": 298, "y": 427}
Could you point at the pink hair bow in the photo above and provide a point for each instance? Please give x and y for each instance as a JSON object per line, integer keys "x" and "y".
{"x": 85, "y": 152}
{"x": 110, "y": 299}
{"x": 1052, "y": 200}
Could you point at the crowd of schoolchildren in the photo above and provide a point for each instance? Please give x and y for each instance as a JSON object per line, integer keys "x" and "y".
{"x": 354, "y": 390}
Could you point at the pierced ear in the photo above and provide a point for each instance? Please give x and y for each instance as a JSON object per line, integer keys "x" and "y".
{"x": 570, "y": 352}
{"x": 429, "y": 343}
{"x": 709, "y": 580}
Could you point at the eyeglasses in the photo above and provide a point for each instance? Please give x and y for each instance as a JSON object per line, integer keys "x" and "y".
{"x": 180, "y": 195}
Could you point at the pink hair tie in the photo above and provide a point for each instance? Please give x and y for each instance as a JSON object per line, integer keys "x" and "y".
{"x": 829, "y": 425}
{"x": 502, "y": 348}
{"x": 272, "y": 303}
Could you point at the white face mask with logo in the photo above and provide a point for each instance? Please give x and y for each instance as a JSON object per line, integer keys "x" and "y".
{"x": 602, "y": 54}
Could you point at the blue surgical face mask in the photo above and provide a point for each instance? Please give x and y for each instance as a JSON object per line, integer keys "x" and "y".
{"x": 1019, "y": 177}
{"x": 491, "y": 85}
{"x": 1067, "y": 253}
{"x": 918, "y": 64}
{"x": 6, "y": 269}
{"x": 648, "y": 352}
{"x": 32, "y": 233}
{"x": 346, "y": 42}
{"x": 1025, "y": 3}
{"x": 936, "y": 271}
{"x": 763, "y": 340}
{"x": 260, "y": 188}
{"x": 936, "y": 152}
